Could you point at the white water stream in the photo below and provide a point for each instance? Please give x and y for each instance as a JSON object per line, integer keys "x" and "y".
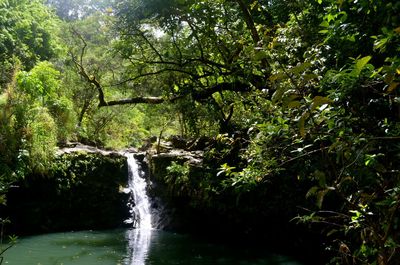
{"x": 140, "y": 236}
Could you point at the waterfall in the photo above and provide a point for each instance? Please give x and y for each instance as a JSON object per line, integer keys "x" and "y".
{"x": 140, "y": 204}
{"x": 138, "y": 238}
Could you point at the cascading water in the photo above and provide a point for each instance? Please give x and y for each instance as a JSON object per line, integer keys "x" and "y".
{"x": 140, "y": 205}
{"x": 140, "y": 236}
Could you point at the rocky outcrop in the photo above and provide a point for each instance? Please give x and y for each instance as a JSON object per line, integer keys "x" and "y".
{"x": 81, "y": 191}
{"x": 159, "y": 163}
{"x": 167, "y": 184}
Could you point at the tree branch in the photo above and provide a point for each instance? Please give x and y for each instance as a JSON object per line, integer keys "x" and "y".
{"x": 136, "y": 100}
{"x": 303, "y": 155}
{"x": 235, "y": 86}
{"x": 249, "y": 21}
{"x": 196, "y": 37}
{"x": 142, "y": 34}
{"x": 197, "y": 95}
{"x": 253, "y": 30}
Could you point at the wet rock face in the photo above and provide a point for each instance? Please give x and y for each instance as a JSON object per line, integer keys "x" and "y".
{"x": 82, "y": 192}
{"x": 171, "y": 206}
{"x": 159, "y": 162}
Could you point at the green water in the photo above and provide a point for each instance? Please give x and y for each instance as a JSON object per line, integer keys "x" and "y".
{"x": 129, "y": 247}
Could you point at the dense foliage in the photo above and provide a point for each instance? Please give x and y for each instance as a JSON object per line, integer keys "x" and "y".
{"x": 299, "y": 91}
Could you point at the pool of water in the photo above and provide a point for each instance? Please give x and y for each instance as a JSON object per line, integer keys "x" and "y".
{"x": 133, "y": 247}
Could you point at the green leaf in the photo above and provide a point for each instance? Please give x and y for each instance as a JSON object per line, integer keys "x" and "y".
{"x": 324, "y": 24}
{"x": 320, "y": 176}
{"x": 312, "y": 191}
{"x": 320, "y": 197}
{"x": 330, "y": 17}
{"x": 277, "y": 77}
{"x": 348, "y": 178}
{"x": 333, "y": 231}
{"x": 360, "y": 64}
{"x": 319, "y": 101}
{"x": 260, "y": 55}
{"x": 380, "y": 44}
{"x": 309, "y": 77}
{"x": 392, "y": 87}
{"x": 301, "y": 124}
{"x": 294, "y": 104}
{"x": 300, "y": 68}
{"x": 3, "y": 199}
{"x": 277, "y": 96}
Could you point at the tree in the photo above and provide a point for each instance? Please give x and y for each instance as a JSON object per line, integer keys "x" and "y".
{"x": 196, "y": 61}
{"x": 28, "y": 32}
{"x": 42, "y": 86}
{"x": 318, "y": 91}
{"x": 71, "y": 10}
{"x": 307, "y": 95}
{"x": 92, "y": 62}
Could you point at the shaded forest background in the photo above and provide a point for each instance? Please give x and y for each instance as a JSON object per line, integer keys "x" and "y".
{"x": 288, "y": 91}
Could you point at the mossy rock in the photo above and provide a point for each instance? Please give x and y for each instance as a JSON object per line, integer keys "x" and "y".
{"x": 81, "y": 192}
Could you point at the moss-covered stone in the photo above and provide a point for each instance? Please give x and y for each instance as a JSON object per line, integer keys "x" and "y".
{"x": 160, "y": 162}
{"x": 172, "y": 192}
{"x": 82, "y": 192}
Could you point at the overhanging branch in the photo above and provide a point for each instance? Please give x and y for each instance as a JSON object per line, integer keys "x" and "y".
{"x": 198, "y": 95}
{"x": 235, "y": 87}
{"x": 91, "y": 79}
{"x": 136, "y": 100}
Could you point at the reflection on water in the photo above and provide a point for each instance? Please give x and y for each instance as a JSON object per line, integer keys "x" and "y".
{"x": 138, "y": 246}
{"x": 79, "y": 248}
{"x": 122, "y": 247}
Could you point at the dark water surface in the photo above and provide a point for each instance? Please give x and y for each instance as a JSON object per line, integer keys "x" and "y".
{"x": 133, "y": 247}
